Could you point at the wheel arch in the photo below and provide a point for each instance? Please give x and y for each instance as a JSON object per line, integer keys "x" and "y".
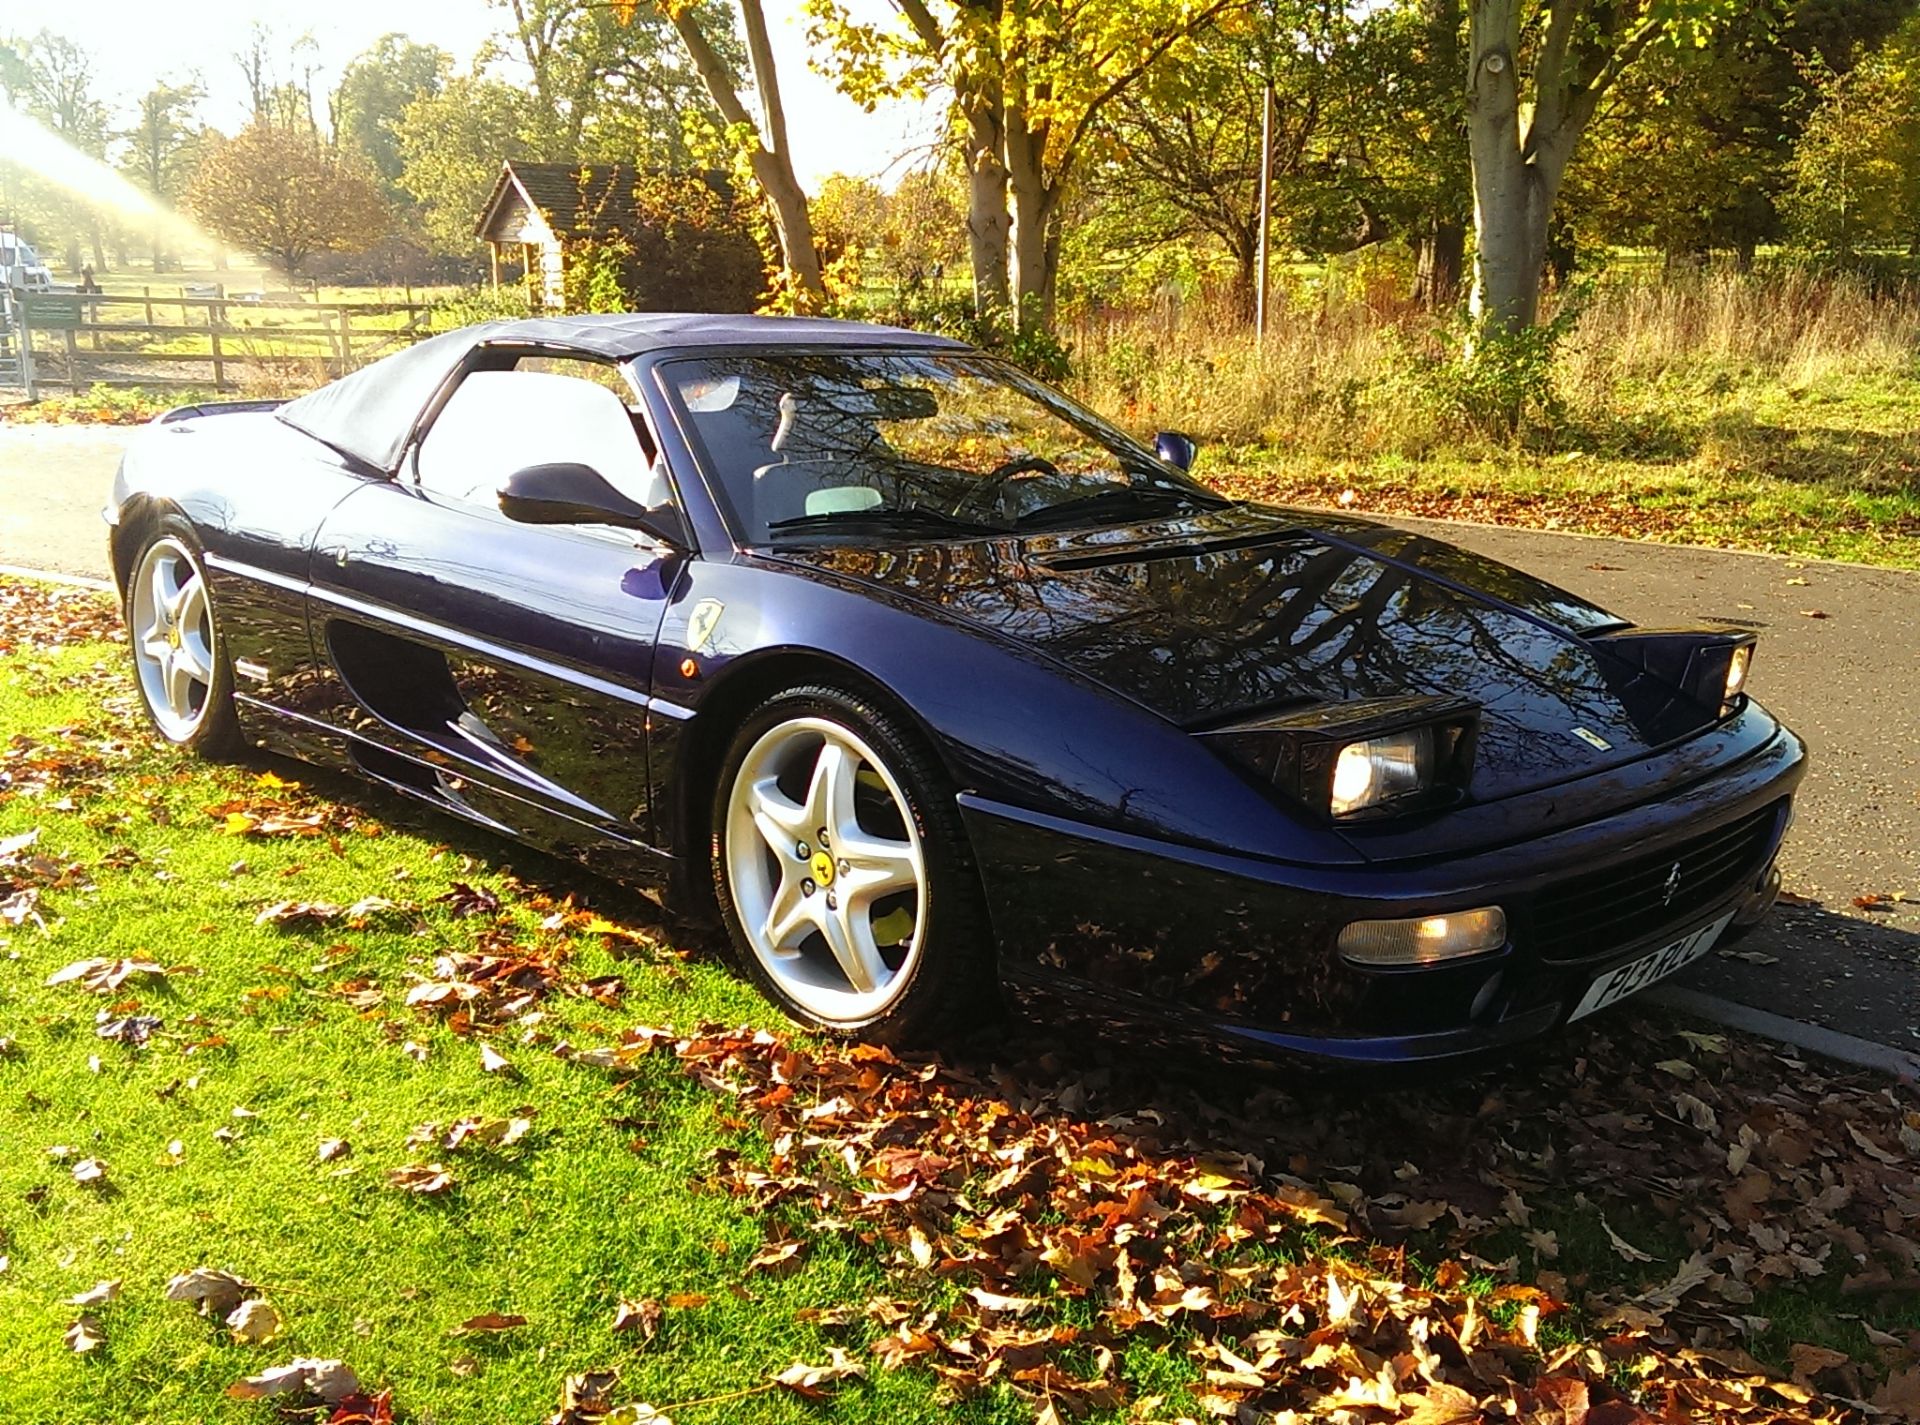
{"x": 743, "y": 685}
{"x": 138, "y": 517}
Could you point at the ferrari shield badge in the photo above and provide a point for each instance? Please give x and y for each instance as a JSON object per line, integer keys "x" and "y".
{"x": 700, "y": 627}
{"x": 1593, "y": 739}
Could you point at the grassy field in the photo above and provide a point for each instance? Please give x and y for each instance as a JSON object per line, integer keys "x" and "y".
{"x": 242, "y": 277}
{"x": 1030, "y": 1228}
{"x": 1778, "y": 413}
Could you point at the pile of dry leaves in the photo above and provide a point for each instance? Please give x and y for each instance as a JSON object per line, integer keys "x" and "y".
{"x": 26, "y": 871}
{"x": 34, "y": 615}
{"x": 1375, "y": 495}
{"x": 1268, "y": 1237}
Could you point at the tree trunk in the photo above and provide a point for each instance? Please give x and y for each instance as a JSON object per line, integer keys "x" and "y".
{"x": 99, "y": 247}
{"x": 988, "y": 221}
{"x": 1442, "y": 260}
{"x": 1050, "y": 280}
{"x": 1032, "y": 209}
{"x": 789, "y": 199}
{"x": 771, "y": 158}
{"x": 1509, "y": 214}
{"x": 1028, "y": 266}
{"x": 1244, "y": 245}
{"x": 1516, "y": 177}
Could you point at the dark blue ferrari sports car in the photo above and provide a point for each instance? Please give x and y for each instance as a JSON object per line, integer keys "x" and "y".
{"x": 938, "y": 687}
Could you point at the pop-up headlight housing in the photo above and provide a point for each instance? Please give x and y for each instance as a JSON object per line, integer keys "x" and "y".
{"x": 1708, "y": 665}
{"x": 1349, "y": 761}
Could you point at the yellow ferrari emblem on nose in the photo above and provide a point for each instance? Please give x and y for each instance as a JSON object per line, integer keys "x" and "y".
{"x": 822, "y": 868}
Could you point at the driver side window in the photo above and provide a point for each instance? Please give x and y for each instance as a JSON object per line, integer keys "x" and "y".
{"x": 497, "y": 422}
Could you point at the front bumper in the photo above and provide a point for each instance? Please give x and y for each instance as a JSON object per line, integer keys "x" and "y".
{"x": 1237, "y": 952}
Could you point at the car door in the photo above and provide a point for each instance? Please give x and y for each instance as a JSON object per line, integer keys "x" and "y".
{"x": 514, "y": 660}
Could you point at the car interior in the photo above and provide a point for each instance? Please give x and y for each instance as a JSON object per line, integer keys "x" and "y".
{"x": 500, "y": 421}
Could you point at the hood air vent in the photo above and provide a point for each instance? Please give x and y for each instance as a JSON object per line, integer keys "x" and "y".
{"x": 1065, "y": 562}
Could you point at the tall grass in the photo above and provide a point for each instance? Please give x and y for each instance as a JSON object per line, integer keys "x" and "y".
{"x": 1358, "y": 377}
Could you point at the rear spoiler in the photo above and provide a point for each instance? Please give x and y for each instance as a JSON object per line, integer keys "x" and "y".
{"x": 213, "y": 408}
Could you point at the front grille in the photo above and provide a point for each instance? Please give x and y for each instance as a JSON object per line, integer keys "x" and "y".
{"x": 1594, "y": 915}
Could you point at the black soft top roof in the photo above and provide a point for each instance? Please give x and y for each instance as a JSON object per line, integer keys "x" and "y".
{"x": 369, "y": 414}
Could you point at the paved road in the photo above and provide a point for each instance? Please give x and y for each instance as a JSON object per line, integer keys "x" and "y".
{"x": 1848, "y": 682}
{"x": 53, "y": 481}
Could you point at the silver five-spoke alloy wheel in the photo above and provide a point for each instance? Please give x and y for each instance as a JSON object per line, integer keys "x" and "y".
{"x": 172, "y": 627}
{"x": 826, "y": 870}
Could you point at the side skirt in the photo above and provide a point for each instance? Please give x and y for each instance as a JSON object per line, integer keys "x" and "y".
{"x": 449, "y": 790}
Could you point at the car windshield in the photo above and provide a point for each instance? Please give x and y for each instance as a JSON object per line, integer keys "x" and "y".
{"x": 878, "y": 445}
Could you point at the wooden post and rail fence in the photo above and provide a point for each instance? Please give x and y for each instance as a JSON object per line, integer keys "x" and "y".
{"x": 80, "y": 339}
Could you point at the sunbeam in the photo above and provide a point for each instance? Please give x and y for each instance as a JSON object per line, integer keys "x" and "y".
{"x": 30, "y": 145}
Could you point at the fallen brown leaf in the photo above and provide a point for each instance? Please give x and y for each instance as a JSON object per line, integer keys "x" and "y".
{"x": 84, "y": 1335}
{"x": 214, "y": 1292}
{"x": 254, "y": 1322}
{"x": 424, "y": 1179}
{"x": 488, "y": 1321}
{"x": 811, "y": 1381}
{"x": 642, "y": 1316}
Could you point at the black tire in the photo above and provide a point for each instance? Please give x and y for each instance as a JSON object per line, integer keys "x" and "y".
{"x": 951, "y": 984}
{"x": 215, "y": 736}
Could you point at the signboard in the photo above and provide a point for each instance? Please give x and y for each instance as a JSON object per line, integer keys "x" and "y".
{"x": 52, "y": 311}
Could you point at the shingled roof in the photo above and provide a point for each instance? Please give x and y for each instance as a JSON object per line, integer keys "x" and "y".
{"x": 574, "y": 200}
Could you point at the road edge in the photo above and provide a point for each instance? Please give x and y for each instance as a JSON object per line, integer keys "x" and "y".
{"x": 1814, "y": 1038}
{"x": 54, "y": 576}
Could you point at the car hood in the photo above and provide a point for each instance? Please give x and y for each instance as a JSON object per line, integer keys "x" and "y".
{"x": 1214, "y": 618}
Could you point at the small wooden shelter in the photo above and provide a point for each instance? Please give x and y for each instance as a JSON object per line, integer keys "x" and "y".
{"x": 536, "y": 210}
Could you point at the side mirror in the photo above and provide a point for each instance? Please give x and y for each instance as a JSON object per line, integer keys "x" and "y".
{"x": 1176, "y": 449}
{"x": 579, "y": 494}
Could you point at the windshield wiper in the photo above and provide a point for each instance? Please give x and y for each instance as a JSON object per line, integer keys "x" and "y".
{"x": 1118, "y": 500}
{"x": 915, "y": 517}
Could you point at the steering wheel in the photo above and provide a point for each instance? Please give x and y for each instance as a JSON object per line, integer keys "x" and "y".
{"x": 988, "y": 490}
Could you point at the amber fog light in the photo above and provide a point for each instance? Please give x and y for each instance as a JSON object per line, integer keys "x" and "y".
{"x": 1427, "y": 940}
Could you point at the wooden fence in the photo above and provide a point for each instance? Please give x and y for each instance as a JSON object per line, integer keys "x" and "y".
{"x": 208, "y": 342}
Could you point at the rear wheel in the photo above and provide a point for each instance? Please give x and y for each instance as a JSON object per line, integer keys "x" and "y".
{"x": 843, "y": 873}
{"x": 178, "y": 660}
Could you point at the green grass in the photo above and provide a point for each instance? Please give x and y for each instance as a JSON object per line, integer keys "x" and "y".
{"x": 1831, "y": 471}
{"x": 1779, "y": 414}
{"x": 600, "y": 1202}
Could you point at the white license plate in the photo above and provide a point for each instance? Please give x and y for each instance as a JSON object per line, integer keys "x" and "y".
{"x": 1636, "y": 975}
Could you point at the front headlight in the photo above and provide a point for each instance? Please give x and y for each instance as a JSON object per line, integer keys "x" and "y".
{"x": 1708, "y": 665}
{"x": 1737, "y": 667}
{"x": 1378, "y": 755}
{"x": 1382, "y": 769}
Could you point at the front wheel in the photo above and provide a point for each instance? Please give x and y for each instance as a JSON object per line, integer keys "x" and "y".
{"x": 844, "y": 875}
{"x": 178, "y": 661}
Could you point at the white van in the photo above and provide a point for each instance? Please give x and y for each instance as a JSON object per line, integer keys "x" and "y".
{"x": 21, "y": 267}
